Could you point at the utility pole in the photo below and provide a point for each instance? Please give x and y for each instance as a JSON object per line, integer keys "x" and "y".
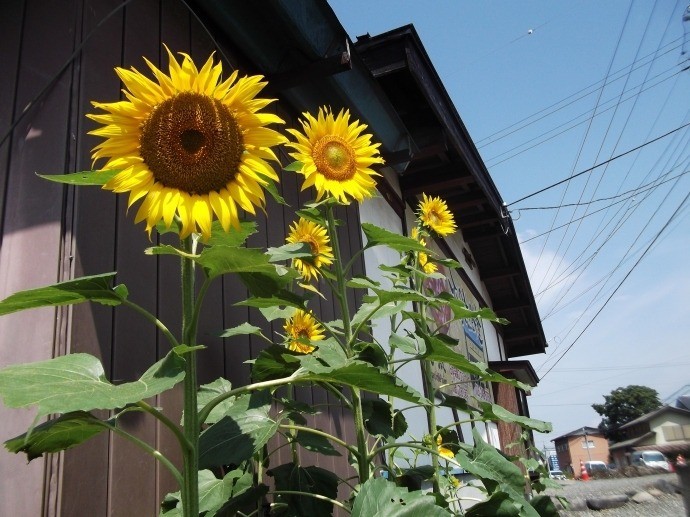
{"x": 584, "y": 430}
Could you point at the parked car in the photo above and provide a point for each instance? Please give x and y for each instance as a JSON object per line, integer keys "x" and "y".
{"x": 594, "y": 467}
{"x": 650, "y": 459}
{"x": 556, "y": 474}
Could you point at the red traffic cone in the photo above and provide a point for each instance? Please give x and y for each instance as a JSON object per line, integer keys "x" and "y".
{"x": 584, "y": 476}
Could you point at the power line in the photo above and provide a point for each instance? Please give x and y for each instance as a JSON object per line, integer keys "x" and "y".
{"x": 592, "y": 113}
{"x": 656, "y": 237}
{"x": 480, "y": 143}
{"x": 598, "y": 165}
{"x": 633, "y": 192}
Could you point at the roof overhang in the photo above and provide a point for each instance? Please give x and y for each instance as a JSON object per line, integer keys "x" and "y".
{"x": 519, "y": 370}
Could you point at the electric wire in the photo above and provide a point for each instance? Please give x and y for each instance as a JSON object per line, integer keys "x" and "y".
{"x": 629, "y": 193}
{"x": 480, "y": 143}
{"x": 492, "y": 163}
{"x": 620, "y": 284}
{"x": 590, "y": 169}
{"x": 562, "y": 256}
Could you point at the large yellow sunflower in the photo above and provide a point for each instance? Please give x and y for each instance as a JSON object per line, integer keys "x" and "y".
{"x": 444, "y": 451}
{"x": 423, "y": 258}
{"x": 335, "y": 156}
{"x": 317, "y": 237}
{"x": 189, "y": 144}
{"x": 302, "y": 327}
{"x": 434, "y": 214}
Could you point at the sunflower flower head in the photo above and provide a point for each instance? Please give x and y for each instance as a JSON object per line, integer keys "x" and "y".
{"x": 423, "y": 258}
{"x": 444, "y": 451}
{"x": 191, "y": 145}
{"x": 317, "y": 237}
{"x": 435, "y": 216}
{"x": 301, "y": 327}
{"x": 335, "y": 156}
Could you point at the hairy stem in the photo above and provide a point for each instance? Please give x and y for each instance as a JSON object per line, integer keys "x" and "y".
{"x": 341, "y": 295}
{"x": 190, "y": 488}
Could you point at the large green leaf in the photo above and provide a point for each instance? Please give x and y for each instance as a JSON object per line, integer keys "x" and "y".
{"x": 290, "y": 251}
{"x": 361, "y": 375}
{"x": 461, "y": 311}
{"x": 275, "y": 362}
{"x": 499, "y": 504}
{"x": 245, "y": 428}
{"x": 213, "y": 493}
{"x": 95, "y": 288}
{"x": 486, "y": 462}
{"x": 494, "y": 412}
{"x": 496, "y": 472}
{"x": 498, "y": 413}
{"x": 311, "y": 480}
{"x": 377, "y": 236}
{"x": 316, "y": 443}
{"x": 383, "y": 498}
{"x": 56, "y": 435}
{"x": 243, "y": 330}
{"x": 438, "y": 350}
{"x": 82, "y": 178}
{"x": 380, "y": 419}
{"x": 77, "y": 382}
{"x": 234, "y": 238}
{"x": 209, "y": 392}
{"x": 262, "y": 278}
{"x": 280, "y": 298}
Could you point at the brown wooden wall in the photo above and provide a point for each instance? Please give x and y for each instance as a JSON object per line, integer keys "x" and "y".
{"x": 55, "y": 58}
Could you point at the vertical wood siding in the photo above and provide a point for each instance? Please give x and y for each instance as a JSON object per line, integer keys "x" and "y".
{"x": 51, "y": 233}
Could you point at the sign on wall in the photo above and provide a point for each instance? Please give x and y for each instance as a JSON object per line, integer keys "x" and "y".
{"x": 468, "y": 332}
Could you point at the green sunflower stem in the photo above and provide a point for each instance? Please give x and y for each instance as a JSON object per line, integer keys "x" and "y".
{"x": 431, "y": 418}
{"x": 427, "y": 379}
{"x": 190, "y": 485}
{"x": 341, "y": 295}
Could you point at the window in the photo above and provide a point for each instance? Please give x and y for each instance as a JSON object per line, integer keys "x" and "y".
{"x": 589, "y": 444}
{"x": 672, "y": 432}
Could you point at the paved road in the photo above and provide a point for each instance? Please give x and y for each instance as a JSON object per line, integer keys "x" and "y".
{"x": 668, "y": 505}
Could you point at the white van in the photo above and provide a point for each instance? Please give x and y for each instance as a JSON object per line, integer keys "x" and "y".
{"x": 650, "y": 459}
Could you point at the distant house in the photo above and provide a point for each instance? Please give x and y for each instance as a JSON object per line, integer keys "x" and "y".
{"x": 666, "y": 430}
{"x": 583, "y": 444}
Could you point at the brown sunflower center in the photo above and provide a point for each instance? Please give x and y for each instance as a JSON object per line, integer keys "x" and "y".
{"x": 334, "y": 158}
{"x": 192, "y": 142}
{"x": 303, "y": 333}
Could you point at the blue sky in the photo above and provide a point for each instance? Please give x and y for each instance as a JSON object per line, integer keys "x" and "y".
{"x": 535, "y": 72}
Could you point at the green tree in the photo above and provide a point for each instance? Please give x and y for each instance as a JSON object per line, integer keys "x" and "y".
{"x": 624, "y": 405}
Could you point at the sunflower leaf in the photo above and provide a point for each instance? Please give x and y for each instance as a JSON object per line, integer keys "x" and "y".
{"x": 96, "y": 288}
{"x": 93, "y": 178}
{"x": 289, "y": 251}
{"x": 294, "y": 166}
{"x": 272, "y": 189}
{"x": 56, "y": 435}
{"x": 242, "y": 330}
{"x": 208, "y": 392}
{"x": 76, "y": 382}
{"x": 361, "y": 375}
{"x": 262, "y": 278}
{"x": 244, "y": 430}
{"x": 378, "y": 496}
{"x": 377, "y": 236}
{"x": 235, "y": 237}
